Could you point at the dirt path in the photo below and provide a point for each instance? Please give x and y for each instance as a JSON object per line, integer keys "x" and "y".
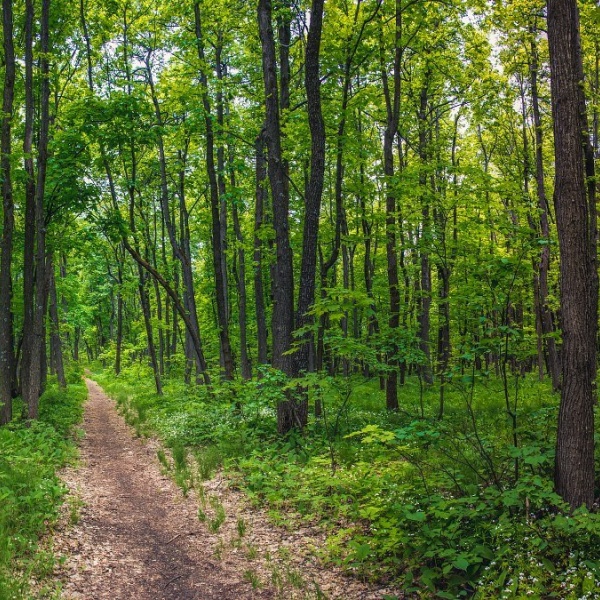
{"x": 137, "y": 537}
{"x": 130, "y": 534}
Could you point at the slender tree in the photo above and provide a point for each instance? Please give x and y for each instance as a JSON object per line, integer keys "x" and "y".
{"x": 6, "y": 249}
{"x": 392, "y": 93}
{"x": 215, "y": 203}
{"x": 282, "y": 322}
{"x": 314, "y": 190}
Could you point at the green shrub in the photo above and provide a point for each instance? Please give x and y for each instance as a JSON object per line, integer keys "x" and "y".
{"x": 30, "y": 491}
{"x": 446, "y": 508}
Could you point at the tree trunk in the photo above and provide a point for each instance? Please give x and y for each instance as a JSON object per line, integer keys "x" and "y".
{"x": 240, "y": 278}
{"x": 7, "y": 359}
{"x": 546, "y": 324}
{"x": 217, "y": 235}
{"x": 576, "y": 224}
{"x": 289, "y": 414}
{"x": 35, "y": 225}
{"x": 259, "y": 288}
{"x": 424, "y": 316}
{"x": 392, "y": 101}
{"x": 56, "y": 354}
{"x": 314, "y": 191}
{"x": 183, "y": 253}
{"x": 29, "y": 237}
{"x": 119, "y": 340}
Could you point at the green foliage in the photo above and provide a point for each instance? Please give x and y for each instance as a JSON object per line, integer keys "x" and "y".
{"x": 30, "y": 491}
{"x": 433, "y": 504}
{"x": 214, "y": 524}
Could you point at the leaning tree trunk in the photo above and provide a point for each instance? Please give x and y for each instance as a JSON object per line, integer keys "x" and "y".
{"x": 576, "y": 224}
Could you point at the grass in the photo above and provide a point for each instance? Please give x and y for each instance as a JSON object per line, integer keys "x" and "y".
{"x": 30, "y": 491}
{"x": 435, "y": 505}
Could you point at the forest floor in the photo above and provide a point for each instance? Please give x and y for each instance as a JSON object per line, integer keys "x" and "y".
{"x": 129, "y": 533}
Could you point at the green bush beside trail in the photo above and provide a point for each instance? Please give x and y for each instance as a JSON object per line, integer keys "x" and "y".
{"x": 30, "y": 491}
{"x": 445, "y": 508}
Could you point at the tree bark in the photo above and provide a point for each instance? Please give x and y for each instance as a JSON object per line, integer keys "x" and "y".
{"x": 56, "y": 353}
{"x": 35, "y": 245}
{"x": 392, "y": 101}
{"x": 314, "y": 191}
{"x": 217, "y": 234}
{"x": 282, "y": 323}
{"x": 576, "y": 223}
{"x": 240, "y": 277}
{"x": 289, "y": 414}
{"x": 259, "y": 288}
{"x": 183, "y": 253}
{"x": 424, "y": 315}
{"x": 546, "y": 325}
{"x": 29, "y": 234}
{"x": 7, "y": 358}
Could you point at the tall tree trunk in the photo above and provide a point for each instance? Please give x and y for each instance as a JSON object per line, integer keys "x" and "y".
{"x": 282, "y": 322}
{"x": 424, "y": 316}
{"x": 159, "y": 302}
{"x": 119, "y": 339}
{"x": 32, "y": 376}
{"x": 221, "y": 71}
{"x": 392, "y": 101}
{"x": 444, "y": 269}
{"x": 217, "y": 235}
{"x": 56, "y": 353}
{"x": 314, "y": 190}
{"x": 259, "y": 288}
{"x": 7, "y": 359}
{"x": 183, "y": 253}
{"x": 240, "y": 278}
{"x": 29, "y": 246}
{"x": 145, "y": 302}
{"x": 576, "y": 223}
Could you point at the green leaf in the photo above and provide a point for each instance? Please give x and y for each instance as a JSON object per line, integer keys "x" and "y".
{"x": 461, "y": 563}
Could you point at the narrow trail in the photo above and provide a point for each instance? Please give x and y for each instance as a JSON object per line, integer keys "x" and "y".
{"x": 137, "y": 537}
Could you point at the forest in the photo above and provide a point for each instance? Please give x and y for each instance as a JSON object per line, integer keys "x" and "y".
{"x": 342, "y": 251}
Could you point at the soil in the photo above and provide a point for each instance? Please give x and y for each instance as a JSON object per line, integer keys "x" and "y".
{"x": 129, "y": 533}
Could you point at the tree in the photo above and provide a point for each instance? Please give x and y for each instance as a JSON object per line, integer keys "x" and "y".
{"x": 392, "y": 102}
{"x": 215, "y": 203}
{"x": 6, "y": 248}
{"x": 574, "y": 200}
{"x": 282, "y": 322}
{"x": 314, "y": 188}
{"x": 32, "y": 373}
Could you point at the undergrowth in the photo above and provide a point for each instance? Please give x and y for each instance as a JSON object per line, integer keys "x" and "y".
{"x": 30, "y": 491}
{"x": 445, "y": 508}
